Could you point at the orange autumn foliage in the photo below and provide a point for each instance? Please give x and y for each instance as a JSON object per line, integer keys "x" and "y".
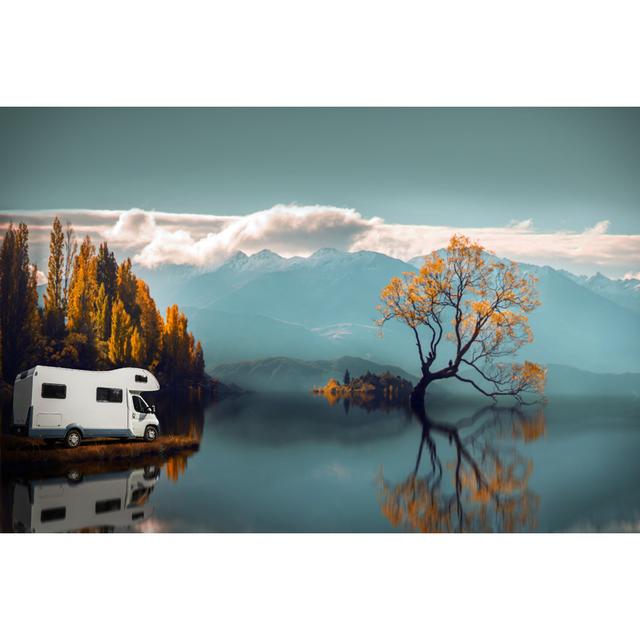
{"x": 480, "y": 305}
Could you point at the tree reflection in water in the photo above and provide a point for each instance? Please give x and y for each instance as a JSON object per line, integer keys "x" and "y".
{"x": 182, "y": 415}
{"x": 490, "y": 479}
{"x": 176, "y": 467}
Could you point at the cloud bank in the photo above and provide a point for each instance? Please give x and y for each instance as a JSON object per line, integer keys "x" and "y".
{"x": 157, "y": 238}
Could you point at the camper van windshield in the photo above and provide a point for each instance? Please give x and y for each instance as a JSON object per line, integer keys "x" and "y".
{"x": 139, "y": 404}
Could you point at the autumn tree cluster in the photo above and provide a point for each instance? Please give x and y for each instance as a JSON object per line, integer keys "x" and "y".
{"x": 96, "y": 314}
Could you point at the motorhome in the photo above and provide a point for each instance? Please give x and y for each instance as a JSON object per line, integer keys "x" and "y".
{"x": 105, "y": 502}
{"x": 71, "y": 404}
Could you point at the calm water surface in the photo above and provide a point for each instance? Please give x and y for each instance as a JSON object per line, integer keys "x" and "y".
{"x": 297, "y": 464}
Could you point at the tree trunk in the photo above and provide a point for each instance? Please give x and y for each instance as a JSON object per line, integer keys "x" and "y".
{"x": 418, "y": 393}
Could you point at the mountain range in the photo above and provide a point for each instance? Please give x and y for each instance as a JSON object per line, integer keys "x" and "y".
{"x": 289, "y": 374}
{"x": 323, "y": 307}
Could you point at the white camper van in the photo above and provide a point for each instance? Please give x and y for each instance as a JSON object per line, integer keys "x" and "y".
{"x": 71, "y": 404}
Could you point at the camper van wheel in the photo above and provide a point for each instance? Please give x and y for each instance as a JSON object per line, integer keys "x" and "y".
{"x": 74, "y": 476}
{"x": 72, "y": 439}
{"x": 150, "y": 434}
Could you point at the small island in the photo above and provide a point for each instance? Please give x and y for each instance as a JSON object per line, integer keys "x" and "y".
{"x": 368, "y": 389}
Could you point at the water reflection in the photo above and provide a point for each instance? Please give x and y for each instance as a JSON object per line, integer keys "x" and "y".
{"x": 181, "y": 416}
{"x": 98, "y": 503}
{"x": 368, "y": 402}
{"x": 484, "y": 488}
{"x": 83, "y": 501}
{"x": 292, "y": 462}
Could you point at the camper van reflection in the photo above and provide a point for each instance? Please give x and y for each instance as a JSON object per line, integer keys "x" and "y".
{"x": 105, "y": 502}
{"x": 71, "y": 404}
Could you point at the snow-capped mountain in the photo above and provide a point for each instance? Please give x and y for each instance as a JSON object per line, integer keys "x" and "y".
{"x": 323, "y": 306}
{"x": 624, "y": 292}
{"x": 264, "y": 260}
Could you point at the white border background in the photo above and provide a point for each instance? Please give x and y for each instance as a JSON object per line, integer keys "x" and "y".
{"x": 319, "y": 53}
{"x": 329, "y": 52}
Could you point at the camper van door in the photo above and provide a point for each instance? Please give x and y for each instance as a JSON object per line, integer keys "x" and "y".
{"x": 137, "y": 415}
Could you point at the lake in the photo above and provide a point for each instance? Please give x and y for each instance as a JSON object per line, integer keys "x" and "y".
{"x": 297, "y": 463}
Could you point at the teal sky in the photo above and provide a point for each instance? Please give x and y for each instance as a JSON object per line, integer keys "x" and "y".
{"x": 564, "y": 168}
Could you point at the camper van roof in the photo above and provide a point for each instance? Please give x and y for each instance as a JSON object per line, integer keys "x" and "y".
{"x": 133, "y": 378}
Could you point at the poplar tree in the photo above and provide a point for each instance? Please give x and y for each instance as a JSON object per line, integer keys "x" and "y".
{"x": 175, "y": 345}
{"x": 107, "y": 276}
{"x": 83, "y": 291}
{"x": 107, "y": 270}
{"x": 198, "y": 362}
{"x": 53, "y": 298}
{"x": 19, "y": 317}
{"x": 151, "y": 325}
{"x": 70, "y": 252}
{"x": 127, "y": 289}
{"x": 119, "y": 347}
{"x": 102, "y": 315}
{"x": 137, "y": 349}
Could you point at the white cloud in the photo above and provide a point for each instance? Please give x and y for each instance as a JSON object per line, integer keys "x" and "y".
{"x": 631, "y": 276}
{"x": 132, "y": 228}
{"x": 521, "y": 224}
{"x": 285, "y": 229}
{"x": 598, "y": 228}
{"x": 157, "y": 238}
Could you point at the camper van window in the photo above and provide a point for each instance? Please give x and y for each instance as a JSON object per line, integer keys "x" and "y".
{"x": 58, "y": 391}
{"x": 105, "y": 506}
{"x": 104, "y": 394}
{"x": 139, "y": 496}
{"x": 49, "y": 515}
{"x": 140, "y": 378}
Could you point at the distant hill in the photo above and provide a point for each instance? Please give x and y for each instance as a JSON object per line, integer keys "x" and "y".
{"x": 563, "y": 380}
{"x": 289, "y": 374}
{"x": 324, "y": 306}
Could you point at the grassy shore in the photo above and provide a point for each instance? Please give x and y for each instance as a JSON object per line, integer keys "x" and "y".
{"x": 16, "y": 451}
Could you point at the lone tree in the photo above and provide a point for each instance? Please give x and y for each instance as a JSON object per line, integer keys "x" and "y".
{"x": 347, "y": 377}
{"x": 485, "y": 302}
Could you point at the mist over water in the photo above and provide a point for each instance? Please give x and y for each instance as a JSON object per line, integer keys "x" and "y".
{"x": 295, "y": 463}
